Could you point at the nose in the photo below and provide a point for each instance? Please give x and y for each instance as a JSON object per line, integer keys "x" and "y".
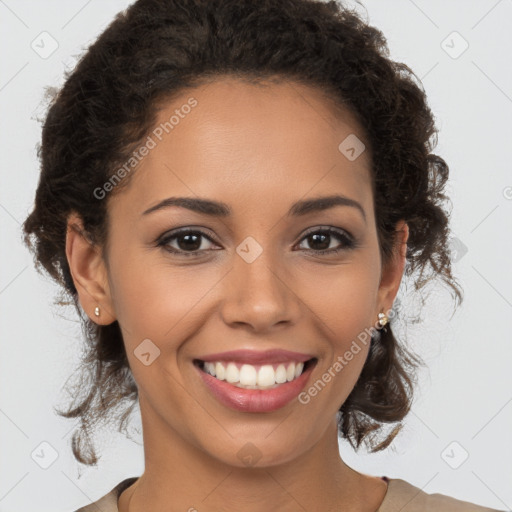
{"x": 259, "y": 295}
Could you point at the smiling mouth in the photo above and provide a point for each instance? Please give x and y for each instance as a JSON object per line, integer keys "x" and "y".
{"x": 261, "y": 376}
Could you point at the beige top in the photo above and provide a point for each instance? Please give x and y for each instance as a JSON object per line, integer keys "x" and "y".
{"x": 401, "y": 496}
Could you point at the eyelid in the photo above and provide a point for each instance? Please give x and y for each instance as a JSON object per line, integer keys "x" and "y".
{"x": 331, "y": 229}
{"x": 347, "y": 240}
{"x": 208, "y": 233}
{"x": 187, "y": 229}
{"x": 350, "y": 241}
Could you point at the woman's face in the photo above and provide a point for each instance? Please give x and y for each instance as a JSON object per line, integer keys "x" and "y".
{"x": 253, "y": 279}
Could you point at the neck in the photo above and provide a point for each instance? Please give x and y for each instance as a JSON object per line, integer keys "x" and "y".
{"x": 181, "y": 477}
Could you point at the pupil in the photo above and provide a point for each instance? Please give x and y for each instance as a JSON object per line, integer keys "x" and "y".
{"x": 192, "y": 242}
{"x": 324, "y": 245}
{"x": 195, "y": 244}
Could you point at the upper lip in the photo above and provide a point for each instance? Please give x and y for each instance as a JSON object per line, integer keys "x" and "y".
{"x": 257, "y": 357}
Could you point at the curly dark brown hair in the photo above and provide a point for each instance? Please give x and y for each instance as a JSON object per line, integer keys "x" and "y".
{"x": 155, "y": 49}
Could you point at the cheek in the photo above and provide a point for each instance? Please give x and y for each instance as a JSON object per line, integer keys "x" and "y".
{"x": 159, "y": 300}
{"x": 343, "y": 301}
{"x": 344, "y": 298}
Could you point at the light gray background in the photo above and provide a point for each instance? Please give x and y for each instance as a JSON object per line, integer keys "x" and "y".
{"x": 465, "y": 397}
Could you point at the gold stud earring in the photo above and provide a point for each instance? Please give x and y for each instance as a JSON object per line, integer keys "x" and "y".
{"x": 97, "y": 311}
{"x": 383, "y": 319}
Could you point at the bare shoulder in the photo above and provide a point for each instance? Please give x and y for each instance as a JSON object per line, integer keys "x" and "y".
{"x": 405, "y": 497}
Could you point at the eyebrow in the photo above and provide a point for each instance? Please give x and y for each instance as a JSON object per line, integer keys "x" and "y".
{"x": 219, "y": 209}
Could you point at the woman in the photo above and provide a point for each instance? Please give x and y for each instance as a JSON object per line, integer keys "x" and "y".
{"x": 231, "y": 192}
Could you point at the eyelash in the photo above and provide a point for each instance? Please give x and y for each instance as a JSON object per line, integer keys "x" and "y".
{"x": 347, "y": 239}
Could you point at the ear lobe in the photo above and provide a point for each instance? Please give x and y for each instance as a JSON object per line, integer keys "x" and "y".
{"x": 392, "y": 272}
{"x": 88, "y": 272}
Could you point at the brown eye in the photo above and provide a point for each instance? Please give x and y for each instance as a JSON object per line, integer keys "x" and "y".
{"x": 188, "y": 242}
{"x": 320, "y": 240}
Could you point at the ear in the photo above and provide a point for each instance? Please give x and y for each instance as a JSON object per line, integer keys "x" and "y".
{"x": 88, "y": 271}
{"x": 392, "y": 272}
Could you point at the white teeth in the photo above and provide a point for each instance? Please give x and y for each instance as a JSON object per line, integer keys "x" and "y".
{"x": 266, "y": 376}
{"x": 247, "y": 375}
{"x": 232, "y": 373}
{"x": 281, "y": 374}
{"x": 220, "y": 371}
{"x": 210, "y": 368}
{"x": 251, "y": 377}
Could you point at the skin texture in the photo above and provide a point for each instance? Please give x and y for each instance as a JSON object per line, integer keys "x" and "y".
{"x": 257, "y": 148}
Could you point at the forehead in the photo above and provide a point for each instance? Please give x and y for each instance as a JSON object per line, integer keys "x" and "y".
{"x": 255, "y": 142}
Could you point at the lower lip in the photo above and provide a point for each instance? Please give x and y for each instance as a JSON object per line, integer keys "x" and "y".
{"x": 255, "y": 400}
